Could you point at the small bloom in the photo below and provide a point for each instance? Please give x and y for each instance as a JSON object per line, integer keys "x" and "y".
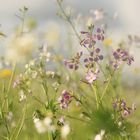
{"x": 5, "y": 73}
{"x": 65, "y": 99}
{"x": 65, "y": 130}
{"x": 121, "y": 56}
{"x": 91, "y": 76}
{"x": 100, "y": 135}
{"x": 22, "y": 96}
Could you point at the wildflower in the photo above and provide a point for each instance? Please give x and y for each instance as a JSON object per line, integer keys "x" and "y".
{"x": 74, "y": 62}
{"x": 120, "y": 106}
{"x": 121, "y": 56}
{"x": 94, "y": 57}
{"x": 91, "y": 76}
{"x": 99, "y": 14}
{"x": 65, "y": 99}
{"x": 65, "y": 130}
{"x": 100, "y": 135}
{"x": 90, "y": 39}
{"x": 5, "y": 73}
{"x": 44, "y": 125}
{"x": 44, "y": 53}
{"x": 9, "y": 116}
{"x": 20, "y": 47}
{"x": 18, "y": 81}
{"x": 50, "y": 74}
{"x": 22, "y": 96}
{"x": 61, "y": 121}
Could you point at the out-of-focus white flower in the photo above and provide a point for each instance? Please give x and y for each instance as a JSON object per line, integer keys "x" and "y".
{"x": 100, "y": 135}
{"x": 50, "y": 73}
{"x": 9, "y": 116}
{"x": 34, "y": 74}
{"x": 39, "y": 126}
{"x": 44, "y": 125}
{"x": 22, "y": 96}
{"x": 98, "y": 13}
{"x": 53, "y": 33}
{"x": 20, "y": 47}
{"x": 65, "y": 130}
{"x": 44, "y": 53}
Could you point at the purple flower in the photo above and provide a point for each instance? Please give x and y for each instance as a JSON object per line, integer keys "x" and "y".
{"x": 74, "y": 62}
{"x": 17, "y": 82}
{"x": 65, "y": 99}
{"x": 120, "y": 56}
{"x": 121, "y": 107}
{"x": 90, "y": 39}
{"x": 91, "y": 76}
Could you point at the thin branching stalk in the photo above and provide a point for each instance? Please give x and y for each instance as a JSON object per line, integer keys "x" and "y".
{"x": 68, "y": 20}
{"x": 18, "y": 129}
{"x": 45, "y": 88}
{"x": 96, "y": 96}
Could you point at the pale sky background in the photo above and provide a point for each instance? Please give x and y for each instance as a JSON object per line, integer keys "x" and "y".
{"x": 128, "y": 21}
{"x": 42, "y": 10}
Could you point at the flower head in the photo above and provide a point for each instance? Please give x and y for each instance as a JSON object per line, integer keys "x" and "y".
{"x": 91, "y": 76}
{"x": 120, "y": 56}
{"x": 65, "y": 99}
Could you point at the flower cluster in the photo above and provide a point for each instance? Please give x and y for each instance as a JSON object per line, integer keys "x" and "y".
{"x": 120, "y": 56}
{"x": 74, "y": 62}
{"x": 44, "y": 125}
{"x": 94, "y": 57}
{"x": 65, "y": 99}
{"x": 91, "y": 76}
{"x": 100, "y": 135}
{"x": 90, "y": 39}
{"x": 120, "y": 106}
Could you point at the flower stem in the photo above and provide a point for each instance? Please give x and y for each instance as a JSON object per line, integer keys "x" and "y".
{"x": 68, "y": 20}
{"x": 96, "y": 96}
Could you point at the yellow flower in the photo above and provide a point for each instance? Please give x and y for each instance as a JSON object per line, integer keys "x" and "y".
{"x": 107, "y": 42}
{"x": 5, "y": 73}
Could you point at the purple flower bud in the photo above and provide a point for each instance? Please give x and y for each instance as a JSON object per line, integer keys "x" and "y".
{"x": 96, "y": 59}
{"x": 65, "y": 99}
{"x": 76, "y": 67}
{"x": 98, "y": 30}
{"x": 70, "y": 66}
{"x": 92, "y": 53}
{"x": 101, "y": 57}
{"x": 97, "y": 50}
{"x": 91, "y": 59}
{"x": 99, "y": 37}
{"x": 85, "y": 60}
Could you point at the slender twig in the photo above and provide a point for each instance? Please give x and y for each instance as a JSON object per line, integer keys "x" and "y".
{"x": 68, "y": 20}
{"x": 96, "y": 96}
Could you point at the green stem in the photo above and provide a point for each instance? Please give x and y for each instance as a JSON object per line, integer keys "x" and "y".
{"x": 45, "y": 88}
{"x": 96, "y": 96}
{"x": 15, "y": 133}
{"x": 68, "y": 20}
{"x": 6, "y": 125}
{"x": 108, "y": 83}
{"x": 11, "y": 79}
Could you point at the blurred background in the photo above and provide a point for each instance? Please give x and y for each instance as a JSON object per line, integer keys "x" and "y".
{"x": 128, "y": 20}
{"x": 125, "y": 15}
